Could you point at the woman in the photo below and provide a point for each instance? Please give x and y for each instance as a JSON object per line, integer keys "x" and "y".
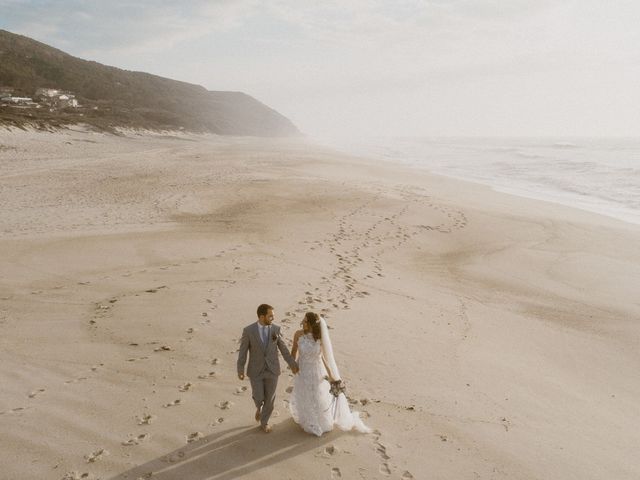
{"x": 317, "y": 404}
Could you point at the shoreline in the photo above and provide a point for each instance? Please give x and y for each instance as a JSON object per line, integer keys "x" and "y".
{"x": 564, "y": 198}
{"x": 477, "y": 331}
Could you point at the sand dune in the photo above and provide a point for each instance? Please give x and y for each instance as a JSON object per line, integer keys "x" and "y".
{"x": 482, "y": 335}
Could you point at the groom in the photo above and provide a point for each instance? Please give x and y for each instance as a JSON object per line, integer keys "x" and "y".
{"x": 261, "y": 339}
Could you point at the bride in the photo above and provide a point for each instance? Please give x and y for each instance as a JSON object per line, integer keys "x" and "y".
{"x": 315, "y": 404}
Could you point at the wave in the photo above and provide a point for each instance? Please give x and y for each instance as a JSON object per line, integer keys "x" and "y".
{"x": 565, "y": 145}
{"x": 598, "y": 175}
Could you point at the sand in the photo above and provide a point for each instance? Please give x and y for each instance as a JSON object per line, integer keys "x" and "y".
{"x": 482, "y": 335}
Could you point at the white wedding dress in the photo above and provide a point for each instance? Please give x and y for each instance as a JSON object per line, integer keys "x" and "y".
{"x": 312, "y": 405}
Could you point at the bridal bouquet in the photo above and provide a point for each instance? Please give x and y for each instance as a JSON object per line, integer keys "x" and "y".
{"x": 337, "y": 387}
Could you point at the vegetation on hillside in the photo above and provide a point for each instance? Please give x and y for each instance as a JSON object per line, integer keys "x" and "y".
{"x": 110, "y": 96}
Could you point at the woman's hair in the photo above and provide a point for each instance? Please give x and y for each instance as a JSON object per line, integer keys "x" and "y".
{"x": 314, "y": 324}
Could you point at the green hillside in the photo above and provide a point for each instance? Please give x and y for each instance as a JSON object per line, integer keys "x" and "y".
{"x": 110, "y": 96}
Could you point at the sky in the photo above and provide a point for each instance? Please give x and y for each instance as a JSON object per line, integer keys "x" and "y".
{"x": 376, "y": 68}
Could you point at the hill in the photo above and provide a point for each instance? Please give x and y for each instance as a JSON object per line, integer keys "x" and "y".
{"x": 108, "y": 96}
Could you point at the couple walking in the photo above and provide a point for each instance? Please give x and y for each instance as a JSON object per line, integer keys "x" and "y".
{"x": 315, "y": 404}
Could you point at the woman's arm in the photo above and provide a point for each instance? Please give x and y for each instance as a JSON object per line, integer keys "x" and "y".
{"x": 331, "y": 379}
{"x": 294, "y": 349}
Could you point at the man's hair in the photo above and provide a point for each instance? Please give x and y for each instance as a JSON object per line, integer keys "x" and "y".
{"x": 264, "y": 309}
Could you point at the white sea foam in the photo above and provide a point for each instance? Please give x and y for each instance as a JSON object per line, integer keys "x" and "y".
{"x": 601, "y": 175}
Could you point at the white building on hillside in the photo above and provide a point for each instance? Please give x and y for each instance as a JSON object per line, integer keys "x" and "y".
{"x": 68, "y": 100}
{"x": 47, "y": 92}
{"x": 19, "y": 100}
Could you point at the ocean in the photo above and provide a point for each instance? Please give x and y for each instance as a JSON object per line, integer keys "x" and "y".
{"x": 600, "y": 175}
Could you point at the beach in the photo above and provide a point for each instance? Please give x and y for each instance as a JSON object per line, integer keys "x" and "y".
{"x": 481, "y": 335}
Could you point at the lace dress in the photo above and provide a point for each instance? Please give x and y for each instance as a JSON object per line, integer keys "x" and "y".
{"x": 312, "y": 405}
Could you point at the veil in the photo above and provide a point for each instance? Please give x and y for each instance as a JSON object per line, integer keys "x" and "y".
{"x": 327, "y": 351}
{"x": 343, "y": 417}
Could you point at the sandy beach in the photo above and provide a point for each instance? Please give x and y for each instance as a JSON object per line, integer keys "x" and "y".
{"x": 482, "y": 335}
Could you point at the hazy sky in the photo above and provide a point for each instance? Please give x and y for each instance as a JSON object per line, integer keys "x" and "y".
{"x": 366, "y": 67}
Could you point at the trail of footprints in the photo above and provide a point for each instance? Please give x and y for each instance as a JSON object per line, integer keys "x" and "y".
{"x": 357, "y": 258}
{"x": 384, "y": 467}
{"x": 103, "y": 310}
{"x": 361, "y": 238}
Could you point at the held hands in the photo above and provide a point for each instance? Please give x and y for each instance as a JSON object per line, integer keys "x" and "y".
{"x": 295, "y": 369}
{"x": 241, "y": 376}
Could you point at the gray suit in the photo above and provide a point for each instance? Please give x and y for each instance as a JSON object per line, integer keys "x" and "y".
{"x": 264, "y": 365}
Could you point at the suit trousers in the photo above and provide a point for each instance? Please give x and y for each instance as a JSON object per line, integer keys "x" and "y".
{"x": 263, "y": 390}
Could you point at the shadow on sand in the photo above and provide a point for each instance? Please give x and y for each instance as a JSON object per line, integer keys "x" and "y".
{"x": 230, "y": 454}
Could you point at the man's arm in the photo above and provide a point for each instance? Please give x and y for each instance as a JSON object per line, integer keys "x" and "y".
{"x": 286, "y": 355}
{"x": 242, "y": 353}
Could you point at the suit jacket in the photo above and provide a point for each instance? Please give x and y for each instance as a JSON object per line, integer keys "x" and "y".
{"x": 262, "y": 357}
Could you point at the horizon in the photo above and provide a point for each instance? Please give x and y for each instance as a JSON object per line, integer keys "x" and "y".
{"x": 456, "y": 69}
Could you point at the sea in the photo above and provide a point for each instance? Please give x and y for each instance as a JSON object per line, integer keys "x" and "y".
{"x": 600, "y": 175}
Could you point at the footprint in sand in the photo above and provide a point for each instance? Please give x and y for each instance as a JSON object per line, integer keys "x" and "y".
{"x": 194, "y": 437}
{"x": 95, "y": 456}
{"x": 381, "y": 450}
{"x": 13, "y": 410}
{"x": 134, "y": 359}
{"x": 136, "y": 440}
{"x": 331, "y": 450}
{"x": 505, "y": 423}
{"x": 75, "y": 380}
{"x": 173, "y": 458}
{"x": 407, "y": 475}
{"x": 186, "y": 387}
{"x": 336, "y": 473}
{"x": 75, "y": 476}
{"x": 36, "y": 392}
{"x": 225, "y": 405}
{"x": 154, "y": 290}
{"x": 240, "y": 390}
{"x": 146, "y": 419}
{"x": 175, "y": 403}
{"x": 209, "y": 375}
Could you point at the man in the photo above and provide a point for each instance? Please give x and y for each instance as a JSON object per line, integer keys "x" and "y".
{"x": 262, "y": 340}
